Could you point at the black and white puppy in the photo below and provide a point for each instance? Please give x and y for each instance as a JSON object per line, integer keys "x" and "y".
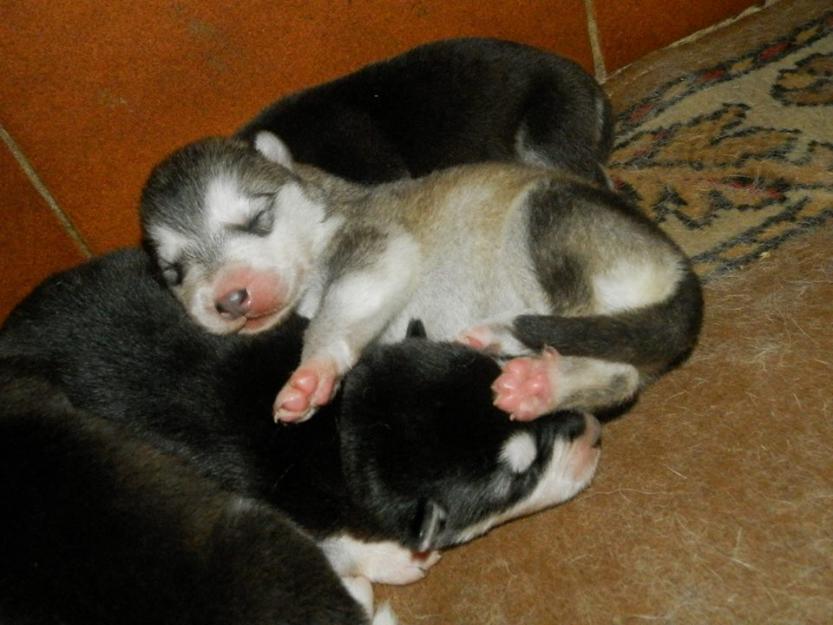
{"x": 147, "y": 482}
{"x": 447, "y": 103}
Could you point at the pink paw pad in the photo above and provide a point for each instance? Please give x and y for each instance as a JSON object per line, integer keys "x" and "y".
{"x": 310, "y": 386}
{"x": 525, "y": 388}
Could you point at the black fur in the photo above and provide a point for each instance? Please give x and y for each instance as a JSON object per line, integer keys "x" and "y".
{"x": 431, "y": 441}
{"x": 442, "y": 104}
{"x": 100, "y": 527}
{"x": 140, "y": 461}
{"x": 655, "y": 339}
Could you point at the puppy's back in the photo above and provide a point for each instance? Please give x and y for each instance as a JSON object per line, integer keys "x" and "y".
{"x": 443, "y": 104}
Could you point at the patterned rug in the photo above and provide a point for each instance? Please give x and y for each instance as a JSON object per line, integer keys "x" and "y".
{"x": 736, "y": 159}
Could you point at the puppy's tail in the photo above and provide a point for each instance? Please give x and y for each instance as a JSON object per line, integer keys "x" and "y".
{"x": 385, "y": 615}
{"x": 654, "y": 339}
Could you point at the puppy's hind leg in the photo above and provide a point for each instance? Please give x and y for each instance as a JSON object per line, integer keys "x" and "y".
{"x": 626, "y": 304}
{"x": 531, "y": 386}
{"x": 540, "y": 380}
{"x": 598, "y": 361}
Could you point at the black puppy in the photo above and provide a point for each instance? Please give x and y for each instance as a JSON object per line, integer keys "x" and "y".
{"x": 144, "y": 473}
{"x": 447, "y": 103}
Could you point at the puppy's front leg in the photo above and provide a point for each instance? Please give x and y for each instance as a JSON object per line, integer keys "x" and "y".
{"x": 355, "y": 309}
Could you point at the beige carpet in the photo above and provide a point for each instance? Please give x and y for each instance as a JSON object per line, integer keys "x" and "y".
{"x": 736, "y": 158}
{"x": 714, "y": 499}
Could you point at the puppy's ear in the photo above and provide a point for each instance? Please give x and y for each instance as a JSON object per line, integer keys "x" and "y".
{"x": 428, "y": 523}
{"x": 416, "y": 330}
{"x": 274, "y": 149}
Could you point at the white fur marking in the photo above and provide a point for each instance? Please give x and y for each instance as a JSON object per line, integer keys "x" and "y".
{"x": 519, "y": 452}
{"x": 576, "y": 374}
{"x": 274, "y": 149}
{"x": 225, "y": 204}
{"x": 385, "y": 615}
{"x": 361, "y": 590}
{"x": 242, "y": 505}
{"x": 629, "y": 285}
{"x": 384, "y": 562}
{"x": 527, "y": 153}
{"x": 358, "y": 306}
{"x": 557, "y": 484}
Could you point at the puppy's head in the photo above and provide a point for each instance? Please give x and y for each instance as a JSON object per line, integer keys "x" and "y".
{"x": 435, "y": 463}
{"x": 233, "y": 231}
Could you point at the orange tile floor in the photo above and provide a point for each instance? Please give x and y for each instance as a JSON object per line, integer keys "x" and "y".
{"x": 94, "y": 93}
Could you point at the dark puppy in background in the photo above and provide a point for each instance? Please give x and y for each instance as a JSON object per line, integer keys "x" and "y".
{"x": 143, "y": 467}
{"x": 103, "y": 527}
{"x": 447, "y": 103}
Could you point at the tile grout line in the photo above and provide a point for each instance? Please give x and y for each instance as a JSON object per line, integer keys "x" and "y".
{"x": 40, "y": 187}
{"x": 595, "y": 42}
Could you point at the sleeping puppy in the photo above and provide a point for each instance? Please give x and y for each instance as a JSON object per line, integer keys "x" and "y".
{"x": 447, "y": 103}
{"x": 593, "y": 298}
{"x": 145, "y": 475}
{"x": 442, "y": 104}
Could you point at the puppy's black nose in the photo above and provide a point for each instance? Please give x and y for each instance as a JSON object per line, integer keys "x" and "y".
{"x": 234, "y": 304}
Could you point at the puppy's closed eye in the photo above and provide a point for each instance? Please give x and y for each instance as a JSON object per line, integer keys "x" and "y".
{"x": 172, "y": 273}
{"x": 260, "y": 224}
{"x": 260, "y": 221}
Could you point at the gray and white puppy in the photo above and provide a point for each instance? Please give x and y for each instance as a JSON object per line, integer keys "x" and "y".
{"x": 511, "y": 259}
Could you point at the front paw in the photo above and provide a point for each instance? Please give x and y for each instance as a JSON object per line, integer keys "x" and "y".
{"x": 409, "y": 570}
{"x": 313, "y": 384}
{"x": 401, "y": 567}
